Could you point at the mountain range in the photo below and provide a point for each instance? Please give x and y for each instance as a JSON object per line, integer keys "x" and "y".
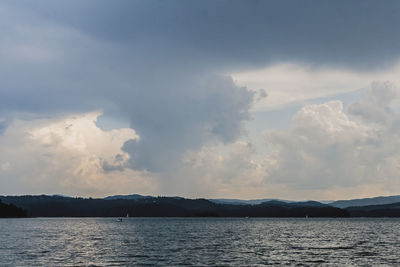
{"x": 381, "y": 200}
{"x": 144, "y": 206}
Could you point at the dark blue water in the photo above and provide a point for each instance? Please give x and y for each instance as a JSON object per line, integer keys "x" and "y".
{"x": 198, "y": 242}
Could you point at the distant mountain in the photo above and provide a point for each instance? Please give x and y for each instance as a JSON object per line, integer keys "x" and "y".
{"x": 365, "y": 201}
{"x": 313, "y": 204}
{"x": 61, "y": 195}
{"x": 57, "y": 206}
{"x": 234, "y": 201}
{"x": 310, "y": 203}
{"x": 148, "y": 206}
{"x": 133, "y": 196}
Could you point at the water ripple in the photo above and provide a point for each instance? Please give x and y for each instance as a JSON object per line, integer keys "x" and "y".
{"x": 199, "y": 242}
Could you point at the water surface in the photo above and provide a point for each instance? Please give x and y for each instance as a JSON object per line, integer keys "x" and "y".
{"x": 198, "y": 242}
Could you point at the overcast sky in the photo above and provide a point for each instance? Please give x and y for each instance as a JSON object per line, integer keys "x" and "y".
{"x": 245, "y": 99}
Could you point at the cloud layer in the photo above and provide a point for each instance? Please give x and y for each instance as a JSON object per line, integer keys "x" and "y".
{"x": 294, "y": 84}
{"x": 166, "y": 68}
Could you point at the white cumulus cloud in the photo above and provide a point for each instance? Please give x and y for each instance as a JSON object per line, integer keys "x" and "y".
{"x": 325, "y": 149}
{"x": 67, "y": 155}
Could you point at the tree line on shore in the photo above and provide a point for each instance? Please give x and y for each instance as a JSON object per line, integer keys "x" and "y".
{"x": 59, "y": 206}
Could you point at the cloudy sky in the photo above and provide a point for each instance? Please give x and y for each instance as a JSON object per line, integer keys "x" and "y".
{"x": 245, "y": 99}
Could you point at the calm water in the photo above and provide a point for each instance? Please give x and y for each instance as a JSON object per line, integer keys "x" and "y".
{"x": 198, "y": 242}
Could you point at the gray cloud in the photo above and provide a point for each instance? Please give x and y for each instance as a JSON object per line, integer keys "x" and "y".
{"x": 3, "y": 126}
{"x": 54, "y": 69}
{"x": 160, "y": 63}
{"x": 233, "y": 33}
{"x": 187, "y": 116}
{"x": 376, "y": 106}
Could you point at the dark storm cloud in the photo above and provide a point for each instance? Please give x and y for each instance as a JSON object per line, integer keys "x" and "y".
{"x": 347, "y": 33}
{"x": 160, "y": 63}
{"x": 211, "y": 109}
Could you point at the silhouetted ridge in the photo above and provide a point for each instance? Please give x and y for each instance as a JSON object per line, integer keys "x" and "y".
{"x": 274, "y": 203}
{"x": 382, "y": 200}
{"x": 133, "y": 196}
{"x": 234, "y": 201}
{"x": 59, "y": 206}
{"x": 310, "y": 203}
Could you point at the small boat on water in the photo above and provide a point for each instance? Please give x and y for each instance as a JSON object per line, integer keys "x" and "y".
{"x": 120, "y": 218}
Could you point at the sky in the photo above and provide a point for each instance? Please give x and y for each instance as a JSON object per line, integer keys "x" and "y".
{"x": 218, "y": 99}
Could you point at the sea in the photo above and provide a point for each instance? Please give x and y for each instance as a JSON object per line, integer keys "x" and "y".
{"x": 200, "y": 242}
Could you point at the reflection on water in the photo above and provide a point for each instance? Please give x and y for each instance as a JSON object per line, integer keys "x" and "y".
{"x": 198, "y": 242}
